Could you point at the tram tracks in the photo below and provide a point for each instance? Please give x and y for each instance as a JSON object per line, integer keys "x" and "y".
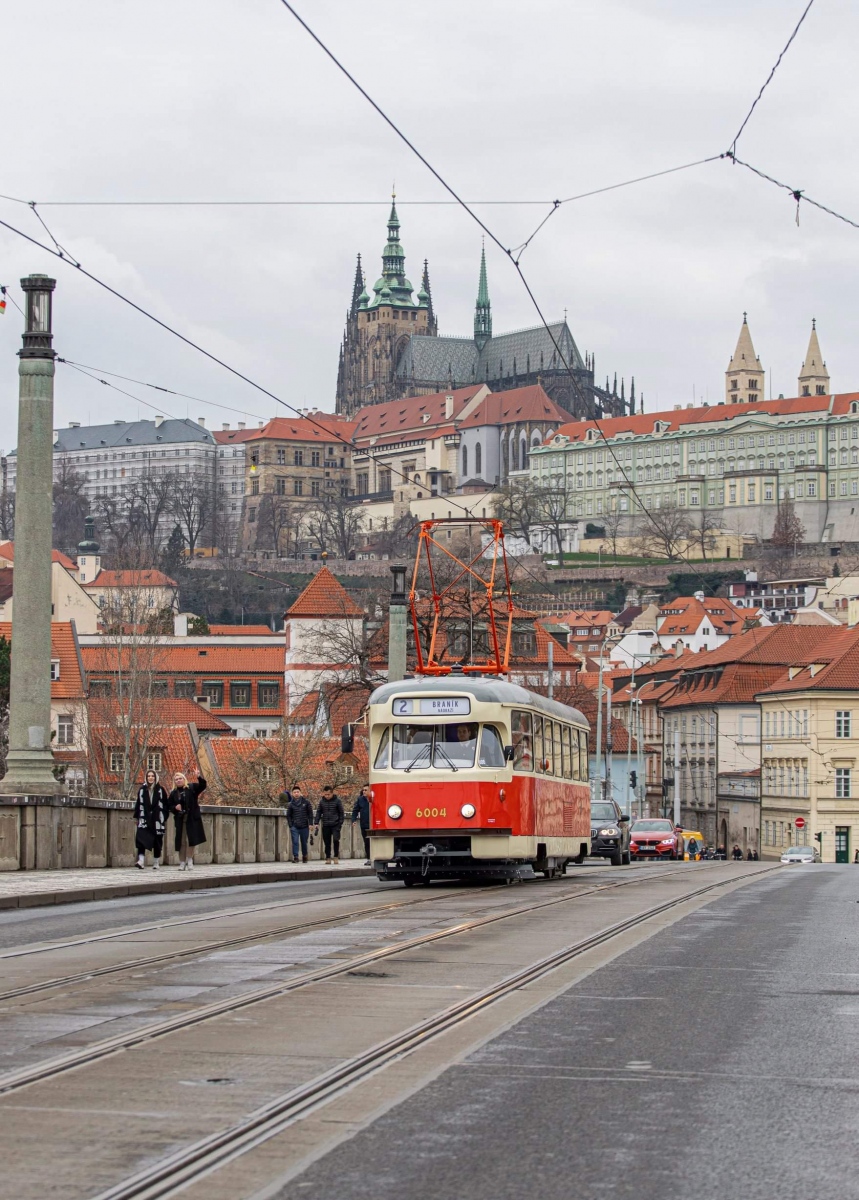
{"x": 172, "y": 1174}
{"x": 13, "y": 1081}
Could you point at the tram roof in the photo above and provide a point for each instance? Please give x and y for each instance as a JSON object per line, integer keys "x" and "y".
{"x": 487, "y": 689}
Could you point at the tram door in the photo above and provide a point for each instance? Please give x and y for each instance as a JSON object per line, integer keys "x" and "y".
{"x": 842, "y": 844}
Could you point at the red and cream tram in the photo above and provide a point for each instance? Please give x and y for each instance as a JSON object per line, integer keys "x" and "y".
{"x": 472, "y": 776}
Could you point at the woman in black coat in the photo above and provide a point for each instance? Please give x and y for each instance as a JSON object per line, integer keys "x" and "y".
{"x": 184, "y": 803}
{"x": 150, "y": 813}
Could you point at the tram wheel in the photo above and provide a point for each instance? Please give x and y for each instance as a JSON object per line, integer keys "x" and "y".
{"x": 409, "y": 882}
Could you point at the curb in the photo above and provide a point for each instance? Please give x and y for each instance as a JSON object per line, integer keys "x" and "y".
{"x": 180, "y": 884}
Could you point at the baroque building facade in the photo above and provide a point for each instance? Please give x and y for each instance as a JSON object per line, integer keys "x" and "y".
{"x": 392, "y": 348}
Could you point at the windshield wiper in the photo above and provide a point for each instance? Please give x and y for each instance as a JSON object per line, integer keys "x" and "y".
{"x": 439, "y": 747}
{"x": 427, "y": 747}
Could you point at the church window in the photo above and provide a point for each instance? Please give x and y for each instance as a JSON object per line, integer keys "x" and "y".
{"x": 465, "y": 462}
{"x": 478, "y": 459}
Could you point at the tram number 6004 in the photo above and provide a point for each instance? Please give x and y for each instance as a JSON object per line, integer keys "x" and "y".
{"x": 431, "y": 812}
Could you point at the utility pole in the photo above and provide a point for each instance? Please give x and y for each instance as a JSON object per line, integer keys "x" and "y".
{"x": 550, "y": 669}
{"x": 676, "y": 776}
{"x": 397, "y": 625}
{"x": 609, "y": 744}
{"x": 29, "y": 763}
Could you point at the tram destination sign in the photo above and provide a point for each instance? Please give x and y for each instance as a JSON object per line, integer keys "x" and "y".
{"x": 433, "y": 706}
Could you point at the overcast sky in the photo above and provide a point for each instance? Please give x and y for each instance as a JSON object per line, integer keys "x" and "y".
{"x": 230, "y": 99}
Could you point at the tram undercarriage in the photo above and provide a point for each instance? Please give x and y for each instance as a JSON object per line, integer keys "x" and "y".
{"x": 424, "y": 858}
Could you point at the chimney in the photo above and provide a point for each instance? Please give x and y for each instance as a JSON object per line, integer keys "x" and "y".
{"x": 699, "y": 596}
{"x": 180, "y": 625}
{"x": 118, "y": 421}
{"x": 448, "y": 407}
{"x": 201, "y": 421}
{"x": 260, "y": 424}
{"x": 225, "y": 425}
{"x": 74, "y": 424}
{"x": 159, "y": 421}
{"x": 240, "y": 425}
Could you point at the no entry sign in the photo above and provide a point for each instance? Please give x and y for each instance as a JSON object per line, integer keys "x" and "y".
{"x": 800, "y": 822}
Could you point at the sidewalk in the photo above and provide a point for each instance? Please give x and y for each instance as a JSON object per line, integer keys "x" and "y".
{"x": 26, "y": 889}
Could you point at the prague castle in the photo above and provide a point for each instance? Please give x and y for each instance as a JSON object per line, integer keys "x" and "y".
{"x": 392, "y": 348}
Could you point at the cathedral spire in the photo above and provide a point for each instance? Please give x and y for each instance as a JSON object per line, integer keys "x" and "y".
{"x": 393, "y": 288}
{"x": 813, "y": 375}
{"x": 425, "y": 300}
{"x": 745, "y": 377}
{"x": 357, "y": 288}
{"x": 482, "y": 309}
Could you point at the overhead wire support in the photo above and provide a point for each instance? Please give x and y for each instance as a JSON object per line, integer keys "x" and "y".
{"x": 769, "y": 77}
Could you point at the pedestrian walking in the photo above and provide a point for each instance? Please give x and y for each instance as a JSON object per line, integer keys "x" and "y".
{"x": 299, "y": 818}
{"x": 361, "y": 814}
{"x": 330, "y": 815}
{"x": 150, "y": 813}
{"x": 184, "y": 803}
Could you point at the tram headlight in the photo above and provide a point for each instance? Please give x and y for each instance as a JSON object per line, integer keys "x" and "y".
{"x": 468, "y": 810}
{"x": 394, "y": 812}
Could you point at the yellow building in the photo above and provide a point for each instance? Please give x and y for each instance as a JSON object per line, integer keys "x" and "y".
{"x": 810, "y": 752}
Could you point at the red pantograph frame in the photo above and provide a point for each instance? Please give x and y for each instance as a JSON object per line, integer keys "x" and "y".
{"x": 498, "y": 664}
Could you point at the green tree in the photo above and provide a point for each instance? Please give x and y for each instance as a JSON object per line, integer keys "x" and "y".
{"x": 173, "y": 554}
{"x": 198, "y": 627}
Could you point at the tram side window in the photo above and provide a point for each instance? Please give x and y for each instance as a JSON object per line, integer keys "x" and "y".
{"x": 491, "y": 748}
{"x": 565, "y": 746}
{"x": 547, "y": 745}
{"x": 523, "y": 740}
{"x": 583, "y": 755}
{"x": 383, "y": 751}
{"x": 557, "y": 763}
{"x": 539, "y": 759}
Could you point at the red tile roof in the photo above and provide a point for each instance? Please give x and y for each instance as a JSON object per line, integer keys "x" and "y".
{"x": 324, "y": 427}
{"x": 832, "y": 665}
{"x": 736, "y": 683}
{"x": 224, "y": 436}
{"x": 407, "y": 415}
{"x": 324, "y": 596}
{"x": 308, "y": 759}
{"x": 676, "y": 419}
{"x": 240, "y": 631}
{"x": 63, "y": 647}
{"x": 686, "y": 614}
{"x": 519, "y": 404}
{"x": 165, "y": 658}
{"x": 114, "y": 579}
{"x": 778, "y": 645}
{"x": 7, "y": 551}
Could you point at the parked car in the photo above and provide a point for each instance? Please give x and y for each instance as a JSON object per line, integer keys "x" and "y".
{"x": 801, "y": 854}
{"x": 655, "y": 838}
{"x": 609, "y": 832}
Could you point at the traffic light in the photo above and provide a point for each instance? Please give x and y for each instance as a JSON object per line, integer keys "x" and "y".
{"x": 633, "y": 779}
{"x": 818, "y": 837}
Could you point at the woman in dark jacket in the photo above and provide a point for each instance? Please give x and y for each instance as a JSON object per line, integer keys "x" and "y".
{"x": 150, "y": 813}
{"x": 184, "y": 803}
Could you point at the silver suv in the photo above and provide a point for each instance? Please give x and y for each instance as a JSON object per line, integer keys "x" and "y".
{"x": 609, "y": 832}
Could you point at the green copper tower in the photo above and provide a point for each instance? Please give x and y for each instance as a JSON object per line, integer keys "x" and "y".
{"x": 483, "y": 309}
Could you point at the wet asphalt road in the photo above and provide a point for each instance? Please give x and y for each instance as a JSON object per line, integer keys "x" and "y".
{"x": 717, "y": 1060}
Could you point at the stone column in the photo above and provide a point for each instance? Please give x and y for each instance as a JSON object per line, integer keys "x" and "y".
{"x": 29, "y": 764}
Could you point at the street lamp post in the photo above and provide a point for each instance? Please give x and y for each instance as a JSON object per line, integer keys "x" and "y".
{"x": 397, "y": 625}
{"x": 29, "y": 763}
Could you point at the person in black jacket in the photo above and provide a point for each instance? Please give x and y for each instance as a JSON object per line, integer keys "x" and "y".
{"x": 361, "y": 814}
{"x": 330, "y": 816}
{"x": 299, "y": 818}
{"x": 184, "y": 803}
{"x": 150, "y": 813}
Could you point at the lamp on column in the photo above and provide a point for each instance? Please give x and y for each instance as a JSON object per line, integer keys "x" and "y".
{"x": 38, "y": 334}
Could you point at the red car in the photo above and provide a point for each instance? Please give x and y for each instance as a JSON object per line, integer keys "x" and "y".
{"x": 654, "y": 838}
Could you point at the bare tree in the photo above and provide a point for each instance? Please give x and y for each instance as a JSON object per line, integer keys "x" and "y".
{"x": 279, "y": 524}
{"x": 615, "y": 523}
{"x": 70, "y": 506}
{"x": 788, "y": 530}
{"x": 663, "y": 531}
{"x": 7, "y": 515}
{"x": 191, "y": 503}
{"x": 519, "y": 504}
{"x": 149, "y": 501}
{"x": 335, "y": 524}
{"x": 704, "y": 529}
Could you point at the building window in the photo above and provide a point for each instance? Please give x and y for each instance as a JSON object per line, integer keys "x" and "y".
{"x": 240, "y": 695}
{"x": 259, "y": 734}
{"x": 298, "y": 458}
{"x": 281, "y": 456}
{"x": 280, "y": 487}
{"x": 214, "y": 693}
{"x": 478, "y": 459}
{"x": 842, "y": 783}
{"x": 751, "y": 493}
{"x": 254, "y": 487}
{"x": 55, "y": 669}
{"x": 465, "y": 462}
{"x": 117, "y": 760}
{"x": 732, "y": 495}
{"x": 832, "y": 489}
{"x": 269, "y": 695}
{"x": 842, "y": 723}
{"x": 184, "y": 689}
{"x": 297, "y": 487}
{"x": 314, "y": 487}
{"x": 362, "y": 480}
{"x": 154, "y": 760}
{"x": 65, "y": 730}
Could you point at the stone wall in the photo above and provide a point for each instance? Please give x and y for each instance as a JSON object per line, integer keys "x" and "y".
{"x": 46, "y": 833}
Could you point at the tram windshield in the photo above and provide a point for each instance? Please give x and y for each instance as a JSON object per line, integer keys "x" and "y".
{"x": 448, "y": 747}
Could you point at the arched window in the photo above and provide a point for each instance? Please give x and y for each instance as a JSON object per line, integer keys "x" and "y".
{"x": 478, "y": 460}
{"x": 523, "y": 452}
{"x": 465, "y": 462}
{"x": 514, "y": 455}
